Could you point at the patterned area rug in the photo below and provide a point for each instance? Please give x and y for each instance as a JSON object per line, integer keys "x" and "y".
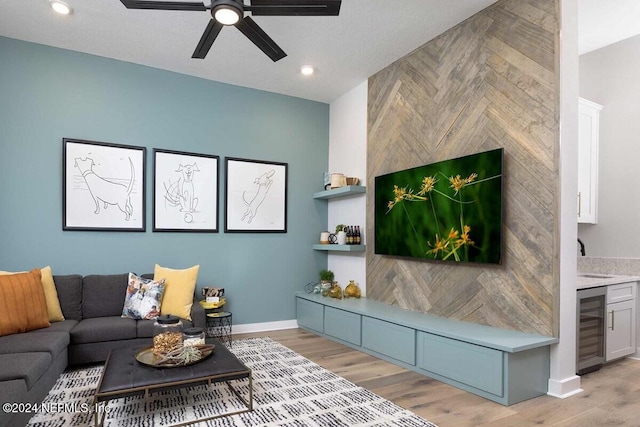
{"x": 289, "y": 390}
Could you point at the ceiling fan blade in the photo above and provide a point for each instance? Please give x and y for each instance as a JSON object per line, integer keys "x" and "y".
{"x": 207, "y": 39}
{"x": 294, "y": 7}
{"x": 162, "y": 5}
{"x": 249, "y": 28}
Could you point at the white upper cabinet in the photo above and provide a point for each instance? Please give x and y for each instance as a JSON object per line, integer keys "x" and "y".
{"x": 588, "y": 136}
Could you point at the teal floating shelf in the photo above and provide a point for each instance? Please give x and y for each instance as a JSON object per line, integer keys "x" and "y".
{"x": 340, "y": 192}
{"x": 343, "y": 248}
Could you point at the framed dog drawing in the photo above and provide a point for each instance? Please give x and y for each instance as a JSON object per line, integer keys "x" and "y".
{"x": 185, "y": 192}
{"x": 103, "y": 186}
{"x": 256, "y": 196}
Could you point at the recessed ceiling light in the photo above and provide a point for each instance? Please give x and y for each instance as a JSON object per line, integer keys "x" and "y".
{"x": 61, "y": 7}
{"x": 307, "y": 70}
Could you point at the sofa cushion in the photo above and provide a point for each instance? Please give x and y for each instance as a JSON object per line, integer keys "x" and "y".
{"x": 179, "y": 288}
{"x": 11, "y": 391}
{"x": 69, "y": 289}
{"x": 50, "y": 342}
{"x": 22, "y": 303}
{"x": 98, "y": 329}
{"x": 64, "y": 326}
{"x": 51, "y": 296}
{"x": 26, "y": 366}
{"x": 103, "y": 295}
{"x": 143, "y": 298}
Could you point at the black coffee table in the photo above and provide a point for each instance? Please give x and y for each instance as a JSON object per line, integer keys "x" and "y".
{"x": 124, "y": 376}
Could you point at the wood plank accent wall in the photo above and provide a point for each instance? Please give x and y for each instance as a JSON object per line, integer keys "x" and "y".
{"x": 489, "y": 82}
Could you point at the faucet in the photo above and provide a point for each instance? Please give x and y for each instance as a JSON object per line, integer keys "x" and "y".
{"x": 582, "y": 251}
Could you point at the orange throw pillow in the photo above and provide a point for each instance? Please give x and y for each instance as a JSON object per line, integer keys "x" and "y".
{"x": 22, "y": 304}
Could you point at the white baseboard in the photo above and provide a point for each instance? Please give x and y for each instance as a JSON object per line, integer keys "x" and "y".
{"x": 263, "y": 327}
{"x": 564, "y": 388}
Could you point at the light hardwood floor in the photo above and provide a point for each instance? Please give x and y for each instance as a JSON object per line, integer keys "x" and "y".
{"x": 611, "y": 396}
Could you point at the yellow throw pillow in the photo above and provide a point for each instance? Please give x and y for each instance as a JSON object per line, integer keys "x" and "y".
{"x": 22, "y": 304}
{"x": 51, "y": 296}
{"x": 50, "y": 293}
{"x": 180, "y": 286}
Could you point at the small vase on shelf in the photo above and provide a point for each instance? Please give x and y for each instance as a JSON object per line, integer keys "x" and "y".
{"x": 352, "y": 290}
{"x": 335, "y": 291}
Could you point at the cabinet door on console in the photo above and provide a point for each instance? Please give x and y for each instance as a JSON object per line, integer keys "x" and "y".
{"x": 342, "y": 324}
{"x": 389, "y": 339}
{"x": 469, "y": 364}
{"x": 310, "y": 315}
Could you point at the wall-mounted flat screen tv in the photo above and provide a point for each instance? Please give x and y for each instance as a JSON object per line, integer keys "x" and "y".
{"x": 450, "y": 210}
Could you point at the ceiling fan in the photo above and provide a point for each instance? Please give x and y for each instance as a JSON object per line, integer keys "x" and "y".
{"x": 231, "y": 12}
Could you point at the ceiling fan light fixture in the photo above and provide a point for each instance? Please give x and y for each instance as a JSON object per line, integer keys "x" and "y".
{"x": 60, "y": 7}
{"x": 227, "y": 14}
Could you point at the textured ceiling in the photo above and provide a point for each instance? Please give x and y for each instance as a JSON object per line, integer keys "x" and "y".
{"x": 366, "y": 37}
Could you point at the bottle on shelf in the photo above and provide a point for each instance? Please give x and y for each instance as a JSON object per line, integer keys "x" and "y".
{"x": 358, "y": 238}
{"x": 349, "y": 236}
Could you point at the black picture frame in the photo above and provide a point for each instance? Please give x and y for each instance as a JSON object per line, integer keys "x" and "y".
{"x": 255, "y": 196}
{"x": 185, "y": 191}
{"x": 103, "y": 186}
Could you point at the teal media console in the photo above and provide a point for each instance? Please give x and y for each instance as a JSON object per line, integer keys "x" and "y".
{"x": 501, "y": 365}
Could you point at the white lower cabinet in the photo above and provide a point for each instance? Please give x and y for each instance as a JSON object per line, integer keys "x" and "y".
{"x": 621, "y": 321}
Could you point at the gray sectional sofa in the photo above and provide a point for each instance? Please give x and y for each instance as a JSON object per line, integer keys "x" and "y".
{"x": 92, "y": 305}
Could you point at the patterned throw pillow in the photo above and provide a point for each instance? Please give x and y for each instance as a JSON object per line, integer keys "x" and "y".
{"x": 143, "y": 298}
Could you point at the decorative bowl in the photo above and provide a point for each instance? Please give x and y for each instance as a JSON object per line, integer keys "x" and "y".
{"x": 352, "y": 180}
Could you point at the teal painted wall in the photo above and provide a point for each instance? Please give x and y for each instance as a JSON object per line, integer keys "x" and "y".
{"x": 47, "y": 94}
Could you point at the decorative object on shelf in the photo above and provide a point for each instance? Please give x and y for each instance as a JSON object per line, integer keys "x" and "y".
{"x": 324, "y": 238}
{"x": 98, "y": 175}
{"x": 352, "y": 290}
{"x": 185, "y": 191}
{"x": 351, "y": 180}
{"x": 212, "y": 294}
{"x": 256, "y": 196}
{"x": 335, "y": 291}
{"x": 324, "y": 288}
{"x": 338, "y": 180}
{"x": 326, "y": 279}
{"x": 341, "y": 234}
{"x": 326, "y": 276}
{"x": 327, "y": 180}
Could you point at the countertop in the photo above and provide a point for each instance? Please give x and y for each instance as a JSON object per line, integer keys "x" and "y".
{"x": 592, "y": 280}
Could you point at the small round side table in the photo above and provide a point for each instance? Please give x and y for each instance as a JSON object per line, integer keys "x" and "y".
{"x": 218, "y": 322}
{"x": 219, "y": 326}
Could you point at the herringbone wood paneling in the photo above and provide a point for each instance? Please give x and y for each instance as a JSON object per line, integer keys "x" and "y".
{"x": 487, "y": 83}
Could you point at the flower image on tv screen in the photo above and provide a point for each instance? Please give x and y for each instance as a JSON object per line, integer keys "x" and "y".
{"x": 450, "y": 210}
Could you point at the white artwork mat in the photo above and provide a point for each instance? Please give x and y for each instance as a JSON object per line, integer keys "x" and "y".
{"x": 103, "y": 186}
{"x": 256, "y": 196}
{"x": 185, "y": 192}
